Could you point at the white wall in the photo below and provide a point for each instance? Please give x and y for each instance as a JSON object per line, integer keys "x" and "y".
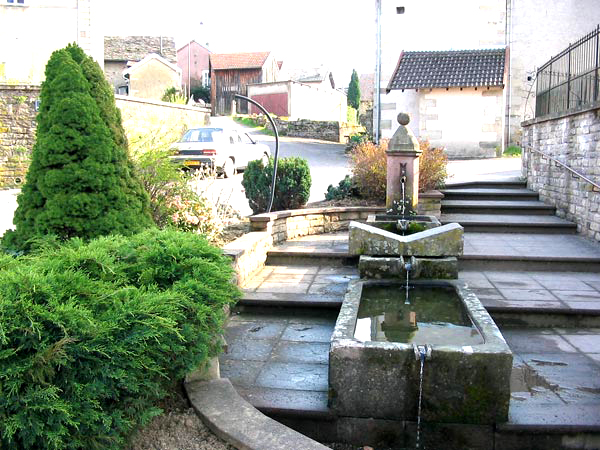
{"x": 30, "y": 33}
{"x": 541, "y": 29}
{"x": 467, "y": 123}
{"x": 308, "y": 102}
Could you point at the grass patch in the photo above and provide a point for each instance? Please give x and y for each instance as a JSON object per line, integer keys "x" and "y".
{"x": 512, "y": 151}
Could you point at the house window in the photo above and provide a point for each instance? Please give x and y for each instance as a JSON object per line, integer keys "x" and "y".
{"x": 205, "y": 78}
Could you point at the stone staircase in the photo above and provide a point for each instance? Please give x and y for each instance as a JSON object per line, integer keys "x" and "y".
{"x": 501, "y": 207}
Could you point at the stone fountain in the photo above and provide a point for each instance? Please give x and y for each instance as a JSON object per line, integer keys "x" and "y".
{"x": 389, "y": 243}
{"x": 386, "y": 329}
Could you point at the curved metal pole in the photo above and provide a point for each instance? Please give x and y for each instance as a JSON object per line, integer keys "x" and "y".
{"x": 259, "y": 106}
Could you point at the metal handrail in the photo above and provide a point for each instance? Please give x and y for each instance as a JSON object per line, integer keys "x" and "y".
{"x": 570, "y": 169}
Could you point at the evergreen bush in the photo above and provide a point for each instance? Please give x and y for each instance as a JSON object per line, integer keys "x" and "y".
{"x": 346, "y": 188}
{"x": 354, "y": 91}
{"x": 292, "y": 184}
{"x": 80, "y": 182}
{"x": 93, "y": 335}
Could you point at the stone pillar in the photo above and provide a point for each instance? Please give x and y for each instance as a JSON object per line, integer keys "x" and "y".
{"x": 403, "y": 161}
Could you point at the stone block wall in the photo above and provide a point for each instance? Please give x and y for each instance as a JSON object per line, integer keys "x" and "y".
{"x": 573, "y": 139}
{"x": 17, "y": 132}
{"x": 283, "y": 225}
{"x": 18, "y": 124}
{"x": 141, "y": 114}
{"x": 312, "y": 129}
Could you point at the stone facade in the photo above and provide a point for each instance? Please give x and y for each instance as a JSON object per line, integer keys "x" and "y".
{"x": 17, "y": 132}
{"x": 573, "y": 139}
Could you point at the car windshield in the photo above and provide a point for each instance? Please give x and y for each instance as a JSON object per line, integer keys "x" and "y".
{"x": 203, "y": 135}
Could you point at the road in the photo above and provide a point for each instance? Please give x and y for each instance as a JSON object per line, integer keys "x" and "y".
{"x": 327, "y": 162}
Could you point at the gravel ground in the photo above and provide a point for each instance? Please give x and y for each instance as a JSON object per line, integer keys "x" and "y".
{"x": 177, "y": 430}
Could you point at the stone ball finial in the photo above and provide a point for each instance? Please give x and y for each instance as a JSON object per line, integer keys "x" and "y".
{"x": 403, "y": 119}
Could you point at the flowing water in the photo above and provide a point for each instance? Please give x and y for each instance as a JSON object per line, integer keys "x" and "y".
{"x": 422, "y": 358}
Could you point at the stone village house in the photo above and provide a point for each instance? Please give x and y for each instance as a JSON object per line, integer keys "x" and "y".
{"x": 122, "y": 55}
{"x": 303, "y": 93}
{"x": 454, "y": 98}
{"x": 530, "y": 30}
{"x": 194, "y": 61}
{"x": 231, "y": 73}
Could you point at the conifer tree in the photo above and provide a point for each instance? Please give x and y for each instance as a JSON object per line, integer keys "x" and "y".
{"x": 80, "y": 182}
{"x": 354, "y": 91}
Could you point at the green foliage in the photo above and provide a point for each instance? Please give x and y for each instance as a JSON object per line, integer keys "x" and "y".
{"x": 201, "y": 93}
{"x": 432, "y": 167}
{"x": 173, "y": 200}
{"x": 512, "y": 151}
{"x": 80, "y": 182}
{"x": 292, "y": 184}
{"x": 351, "y": 115}
{"x": 93, "y": 335}
{"x": 345, "y": 189}
{"x": 172, "y": 95}
{"x": 354, "y": 91}
{"x": 357, "y": 139}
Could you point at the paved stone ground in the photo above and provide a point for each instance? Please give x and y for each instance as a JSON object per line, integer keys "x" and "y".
{"x": 278, "y": 362}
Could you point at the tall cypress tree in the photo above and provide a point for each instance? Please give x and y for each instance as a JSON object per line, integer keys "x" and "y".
{"x": 80, "y": 182}
{"x": 354, "y": 91}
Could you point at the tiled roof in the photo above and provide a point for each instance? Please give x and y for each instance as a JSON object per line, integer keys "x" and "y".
{"x": 256, "y": 60}
{"x": 135, "y": 48}
{"x": 452, "y": 68}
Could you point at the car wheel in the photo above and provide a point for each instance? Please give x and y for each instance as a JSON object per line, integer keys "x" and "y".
{"x": 228, "y": 168}
{"x": 264, "y": 160}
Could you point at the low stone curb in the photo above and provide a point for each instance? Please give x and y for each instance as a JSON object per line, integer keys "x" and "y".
{"x": 234, "y": 420}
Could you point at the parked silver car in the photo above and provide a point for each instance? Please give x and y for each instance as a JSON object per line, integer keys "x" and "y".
{"x": 224, "y": 150}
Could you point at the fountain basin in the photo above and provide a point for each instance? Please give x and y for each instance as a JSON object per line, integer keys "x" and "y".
{"x": 464, "y": 382}
{"x": 414, "y": 224}
{"x": 444, "y": 240}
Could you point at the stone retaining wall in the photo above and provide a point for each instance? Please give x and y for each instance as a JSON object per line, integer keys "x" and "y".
{"x": 573, "y": 139}
{"x": 312, "y": 129}
{"x": 17, "y": 132}
{"x": 18, "y": 125}
{"x": 284, "y": 225}
{"x": 139, "y": 114}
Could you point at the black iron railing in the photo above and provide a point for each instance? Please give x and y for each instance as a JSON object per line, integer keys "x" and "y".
{"x": 570, "y": 79}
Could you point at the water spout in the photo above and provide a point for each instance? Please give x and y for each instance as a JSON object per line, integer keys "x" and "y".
{"x": 422, "y": 352}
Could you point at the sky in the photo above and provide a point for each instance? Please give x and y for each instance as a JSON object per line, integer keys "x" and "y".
{"x": 339, "y": 34}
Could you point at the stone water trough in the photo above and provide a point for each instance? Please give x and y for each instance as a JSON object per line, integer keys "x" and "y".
{"x": 409, "y": 333}
{"x": 461, "y": 384}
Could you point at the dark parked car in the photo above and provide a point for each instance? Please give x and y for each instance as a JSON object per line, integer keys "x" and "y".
{"x": 224, "y": 150}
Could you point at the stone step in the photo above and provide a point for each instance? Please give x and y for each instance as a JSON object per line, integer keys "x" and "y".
{"x": 528, "y": 263}
{"x": 514, "y": 194}
{"x": 277, "y": 257}
{"x": 511, "y": 223}
{"x": 287, "y": 300}
{"x": 532, "y": 207}
{"x": 488, "y": 184}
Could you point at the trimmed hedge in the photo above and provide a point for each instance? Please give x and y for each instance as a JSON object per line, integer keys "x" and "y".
{"x": 93, "y": 335}
{"x": 292, "y": 184}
